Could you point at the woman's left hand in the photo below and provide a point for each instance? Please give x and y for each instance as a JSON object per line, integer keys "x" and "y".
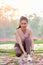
{"x": 32, "y": 53}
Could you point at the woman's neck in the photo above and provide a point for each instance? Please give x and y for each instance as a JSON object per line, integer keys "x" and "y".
{"x": 23, "y": 30}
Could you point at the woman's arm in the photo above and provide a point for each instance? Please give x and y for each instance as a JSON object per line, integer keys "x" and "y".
{"x": 32, "y": 43}
{"x": 19, "y": 40}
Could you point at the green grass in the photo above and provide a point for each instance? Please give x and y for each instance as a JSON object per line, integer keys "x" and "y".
{"x": 38, "y": 51}
{"x": 7, "y": 42}
{"x": 12, "y": 53}
{"x": 38, "y": 42}
{"x": 13, "y": 42}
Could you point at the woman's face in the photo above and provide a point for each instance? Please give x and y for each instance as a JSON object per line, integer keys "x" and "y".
{"x": 23, "y": 24}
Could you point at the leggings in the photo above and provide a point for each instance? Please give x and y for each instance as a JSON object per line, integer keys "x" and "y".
{"x": 26, "y": 45}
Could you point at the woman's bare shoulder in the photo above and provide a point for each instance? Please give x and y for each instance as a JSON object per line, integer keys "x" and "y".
{"x": 29, "y": 30}
{"x": 17, "y": 30}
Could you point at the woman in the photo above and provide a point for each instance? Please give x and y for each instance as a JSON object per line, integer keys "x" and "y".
{"x": 24, "y": 40}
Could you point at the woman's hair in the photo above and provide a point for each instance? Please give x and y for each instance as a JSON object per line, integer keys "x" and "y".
{"x": 22, "y": 18}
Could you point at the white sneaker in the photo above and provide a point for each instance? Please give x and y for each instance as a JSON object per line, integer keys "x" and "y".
{"x": 29, "y": 58}
{"x": 23, "y": 58}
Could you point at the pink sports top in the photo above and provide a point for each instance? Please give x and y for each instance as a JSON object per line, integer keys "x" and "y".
{"x": 22, "y": 35}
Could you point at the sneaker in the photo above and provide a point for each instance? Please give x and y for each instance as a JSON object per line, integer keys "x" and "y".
{"x": 29, "y": 58}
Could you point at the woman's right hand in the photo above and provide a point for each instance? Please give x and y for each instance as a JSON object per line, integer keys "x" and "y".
{"x": 25, "y": 55}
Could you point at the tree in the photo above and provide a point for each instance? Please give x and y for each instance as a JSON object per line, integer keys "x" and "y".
{"x": 41, "y": 30}
{"x": 34, "y": 23}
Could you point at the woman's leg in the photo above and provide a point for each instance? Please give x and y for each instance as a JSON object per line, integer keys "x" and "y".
{"x": 27, "y": 45}
{"x": 17, "y": 50}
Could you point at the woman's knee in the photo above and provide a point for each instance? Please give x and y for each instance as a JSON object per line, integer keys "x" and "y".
{"x": 18, "y": 52}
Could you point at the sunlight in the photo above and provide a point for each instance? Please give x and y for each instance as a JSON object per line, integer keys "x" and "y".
{"x": 25, "y": 6}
